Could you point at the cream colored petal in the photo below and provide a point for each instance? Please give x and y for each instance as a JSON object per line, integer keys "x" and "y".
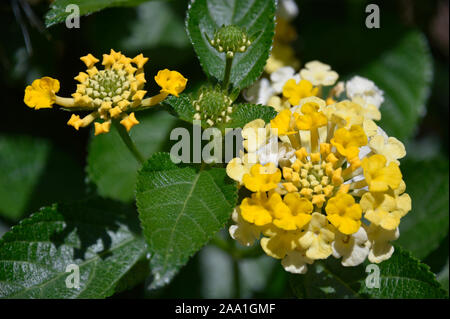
{"x": 296, "y": 262}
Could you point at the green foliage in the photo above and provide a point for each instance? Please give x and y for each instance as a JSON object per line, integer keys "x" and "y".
{"x": 101, "y": 237}
{"x": 180, "y": 209}
{"x": 112, "y": 167}
{"x": 427, "y": 223}
{"x": 257, "y": 17}
{"x": 181, "y": 107}
{"x": 241, "y": 115}
{"x": 404, "y": 73}
{"x": 401, "y": 276}
{"x": 245, "y": 113}
{"x": 57, "y": 12}
{"x": 32, "y": 174}
{"x": 153, "y": 25}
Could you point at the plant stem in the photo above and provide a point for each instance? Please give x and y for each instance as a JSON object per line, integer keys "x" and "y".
{"x": 226, "y": 78}
{"x": 129, "y": 142}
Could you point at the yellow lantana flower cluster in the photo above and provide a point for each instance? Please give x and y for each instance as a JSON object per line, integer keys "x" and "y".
{"x": 111, "y": 94}
{"x": 324, "y": 181}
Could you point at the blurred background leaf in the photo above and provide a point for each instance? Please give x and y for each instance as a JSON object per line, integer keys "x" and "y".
{"x": 404, "y": 73}
{"x": 113, "y": 168}
{"x": 427, "y": 224}
{"x": 35, "y": 174}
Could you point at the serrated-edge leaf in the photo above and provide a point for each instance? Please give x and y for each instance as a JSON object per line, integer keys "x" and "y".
{"x": 156, "y": 176}
{"x": 181, "y": 106}
{"x": 246, "y": 112}
{"x": 255, "y": 56}
{"x": 395, "y": 274}
{"x": 65, "y": 235}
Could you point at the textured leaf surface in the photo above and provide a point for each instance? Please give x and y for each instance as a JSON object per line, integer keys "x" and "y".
{"x": 256, "y": 16}
{"x": 180, "y": 209}
{"x": 244, "y": 113}
{"x": 403, "y": 276}
{"x": 32, "y": 175}
{"x": 181, "y": 106}
{"x": 426, "y": 225}
{"x": 57, "y": 12}
{"x": 112, "y": 167}
{"x": 404, "y": 73}
{"x": 99, "y": 236}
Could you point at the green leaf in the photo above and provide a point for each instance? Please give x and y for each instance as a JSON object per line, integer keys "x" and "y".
{"x": 154, "y": 25}
{"x": 180, "y": 209}
{"x": 244, "y": 113}
{"x": 328, "y": 279}
{"x": 57, "y": 12}
{"x": 403, "y": 276}
{"x": 101, "y": 237}
{"x": 404, "y": 73}
{"x": 256, "y": 16}
{"x": 181, "y": 107}
{"x": 32, "y": 174}
{"x": 426, "y": 225}
{"x": 112, "y": 167}
{"x": 443, "y": 276}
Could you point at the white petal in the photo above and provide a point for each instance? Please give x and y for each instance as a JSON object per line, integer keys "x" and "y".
{"x": 287, "y": 9}
{"x": 296, "y": 262}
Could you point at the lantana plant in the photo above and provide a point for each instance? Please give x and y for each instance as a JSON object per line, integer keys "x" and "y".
{"x": 313, "y": 181}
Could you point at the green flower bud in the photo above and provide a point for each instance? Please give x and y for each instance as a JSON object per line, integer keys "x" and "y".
{"x": 212, "y": 106}
{"x": 230, "y": 39}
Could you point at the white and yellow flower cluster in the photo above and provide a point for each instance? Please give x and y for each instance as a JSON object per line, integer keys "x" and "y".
{"x": 324, "y": 178}
{"x": 113, "y": 93}
{"x": 284, "y": 88}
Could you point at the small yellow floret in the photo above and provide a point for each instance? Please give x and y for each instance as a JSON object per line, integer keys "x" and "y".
{"x": 262, "y": 178}
{"x": 171, "y": 82}
{"x": 41, "y": 93}
{"x": 129, "y": 121}
{"x": 293, "y": 213}
{"x": 385, "y": 209}
{"x": 282, "y": 122}
{"x": 294, "y": 92}
{"x": 348, "y": 142}
{"x": 344, "y": 213}
{"x": 380, "y": 177}
{"x": 101, "y": 128}
{"x": 89, "y": 60}
{"x": 311, "y": 118}
{"x": 75, "y": 121}
{"x": 257, "y": 209}
{"x": 139, "y": 60}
